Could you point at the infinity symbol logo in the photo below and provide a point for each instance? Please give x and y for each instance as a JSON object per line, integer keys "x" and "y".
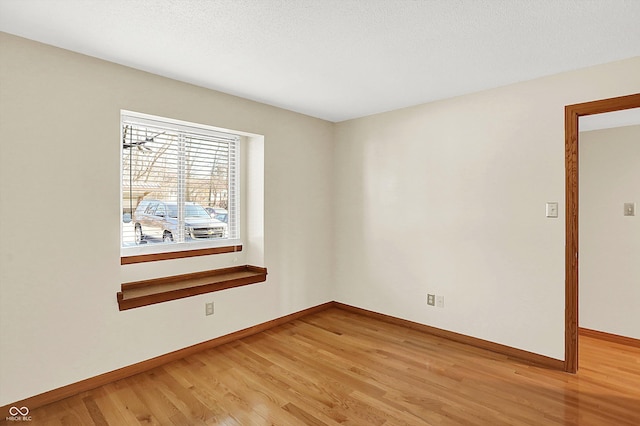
{"x": 14, "y": 411}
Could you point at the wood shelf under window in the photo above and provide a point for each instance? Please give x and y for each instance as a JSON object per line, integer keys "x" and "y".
{"x": 142, "y": 293}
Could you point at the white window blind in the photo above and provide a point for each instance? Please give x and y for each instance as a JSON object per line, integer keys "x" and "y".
{"x": 180, "y": 184}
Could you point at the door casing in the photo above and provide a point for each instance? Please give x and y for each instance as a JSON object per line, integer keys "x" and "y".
{"x": 572, "y": 113}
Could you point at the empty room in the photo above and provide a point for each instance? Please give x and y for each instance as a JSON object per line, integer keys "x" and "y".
{"x": 320, "y": 212}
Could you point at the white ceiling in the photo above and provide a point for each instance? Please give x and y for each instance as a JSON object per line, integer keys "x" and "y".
{"x": 338, "y": 59}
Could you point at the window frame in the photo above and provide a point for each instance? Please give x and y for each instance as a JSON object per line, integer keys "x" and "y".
{"x": 138, "y": 254}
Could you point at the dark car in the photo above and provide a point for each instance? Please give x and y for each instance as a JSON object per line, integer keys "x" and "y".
{"x": 159, "y": 219}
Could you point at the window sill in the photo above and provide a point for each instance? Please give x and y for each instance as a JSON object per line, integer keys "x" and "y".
{"x": 128, "y": 260}
{"x": 148, "y": 292}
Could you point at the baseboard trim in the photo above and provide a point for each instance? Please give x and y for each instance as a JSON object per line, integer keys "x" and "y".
{"x": 508, "y": 351}
{"x": 615, "y": 338}
{"x": 140, "y": 367}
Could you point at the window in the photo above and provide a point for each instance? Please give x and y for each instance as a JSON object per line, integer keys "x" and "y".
{"x": 180, "y": 186}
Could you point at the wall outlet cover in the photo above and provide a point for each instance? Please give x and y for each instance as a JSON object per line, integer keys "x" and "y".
{"x": 431, "y": 299}
{"x": 208, "y": 308}
{"x": 629, "y": 209}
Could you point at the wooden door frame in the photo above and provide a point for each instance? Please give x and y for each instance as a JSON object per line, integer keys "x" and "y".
{"x": 571, "y": 116}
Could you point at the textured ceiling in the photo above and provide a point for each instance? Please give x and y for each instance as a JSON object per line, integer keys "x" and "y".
{"x": 338, "y": 59}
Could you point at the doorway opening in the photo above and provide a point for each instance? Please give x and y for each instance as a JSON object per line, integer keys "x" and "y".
{"x": 571, "y": 118}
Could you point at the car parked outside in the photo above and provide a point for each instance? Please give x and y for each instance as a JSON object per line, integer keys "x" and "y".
{"x": 159, "y": 219}
{"x": 217, "y": 213}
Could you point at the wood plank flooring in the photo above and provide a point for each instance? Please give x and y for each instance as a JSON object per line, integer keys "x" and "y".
{"x": 340, "y": 368}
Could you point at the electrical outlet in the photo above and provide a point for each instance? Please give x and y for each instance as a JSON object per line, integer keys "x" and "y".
{"x": 208, "y": 308}
{"x": 629, "y": 209}
{"x": 431, "y": 299}
{"x": 440, "y": 301}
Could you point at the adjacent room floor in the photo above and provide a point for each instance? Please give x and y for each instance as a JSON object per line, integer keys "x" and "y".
{"x": 340, "y": 368}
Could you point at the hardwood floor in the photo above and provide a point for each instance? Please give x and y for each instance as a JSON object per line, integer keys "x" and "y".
{"x": 338, "y": 367}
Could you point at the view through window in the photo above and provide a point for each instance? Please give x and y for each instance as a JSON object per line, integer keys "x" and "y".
{"x": 180, "y": 185}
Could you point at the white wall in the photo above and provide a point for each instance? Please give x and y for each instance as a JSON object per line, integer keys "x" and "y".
{"x": 59, "y": 209}
{"x": 449, "y": 198}
{"x": 609, "y": 167}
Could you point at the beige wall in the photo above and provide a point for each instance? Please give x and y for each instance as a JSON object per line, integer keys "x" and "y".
{"x": 59, "y": 264}
{"x": 609, "y": 241}
{"x": 449, "y": 198}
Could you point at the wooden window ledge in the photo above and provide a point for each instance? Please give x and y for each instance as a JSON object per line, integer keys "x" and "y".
{"x": 152, "y": 257}
{"x": 142, "y": 293}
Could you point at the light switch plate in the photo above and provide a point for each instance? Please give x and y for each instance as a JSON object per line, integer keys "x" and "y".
{"x": 552, "y": 209}
{"x": 629, "y": 209}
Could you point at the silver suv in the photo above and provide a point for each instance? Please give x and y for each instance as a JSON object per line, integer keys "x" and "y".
{"x": 159, "y": 219}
